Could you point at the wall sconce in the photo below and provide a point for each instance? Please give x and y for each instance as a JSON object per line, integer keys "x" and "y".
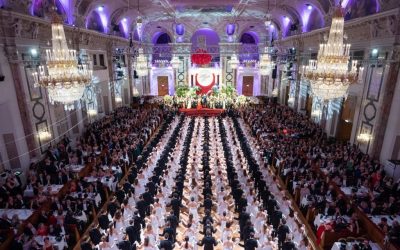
{"x": 316, "y": 113}
{"x": 92, "y": 112}
{"x": 44, "y": 135}
{"x": 291, "y": 100}
{"x": 118, "y": 99}
{"x": 364, "y": 137}
{"x": 275, "y": 92}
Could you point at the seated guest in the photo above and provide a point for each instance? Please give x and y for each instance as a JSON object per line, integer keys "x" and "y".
{"x": 383, "y": 225}
{"x": 47, "y": 244}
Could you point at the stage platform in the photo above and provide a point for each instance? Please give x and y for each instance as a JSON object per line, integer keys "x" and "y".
{"x": 202, "y": 112}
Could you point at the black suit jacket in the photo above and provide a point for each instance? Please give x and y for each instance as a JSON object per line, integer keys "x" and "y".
{"x": 126, "y": 245}
{"x": 251, "y": 244}
{"x": 104, "y": 222}
{"x": 86, "y": 246}
{"x": 209, "y": 242}
{"x": 166, "y": 244}
{"x": 95, "y": 236}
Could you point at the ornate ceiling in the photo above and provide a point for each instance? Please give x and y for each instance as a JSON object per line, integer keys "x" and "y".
{"x": 119, "y": 17}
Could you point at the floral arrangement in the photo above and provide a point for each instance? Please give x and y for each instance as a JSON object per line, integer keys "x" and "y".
{"x": 168, "y": 100}
{"x": 201, "y": 57}
{"x": 181, "y": 90}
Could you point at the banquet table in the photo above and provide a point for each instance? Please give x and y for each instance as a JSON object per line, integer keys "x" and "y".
{"x": 92, "y": 196}
{"x": 75, "y": 168}
{"x": 59, "y": 244}
{"x": 390, "y": 219}
{"x": 110, "y": 182}
{"x": 28, "y": 192}
{"x": 349, "y": 245}
{"x": 361, "y": 192}
{"x": 53, "y": 189}
{"x": 322, "y": 219}
{"x": 23, "y": 214}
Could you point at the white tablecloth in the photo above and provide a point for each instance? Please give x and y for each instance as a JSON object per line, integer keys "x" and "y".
{"x": 361, "y": 192}
{"x": 110, "y": 183}
{"x": 321, "y": 219}
{"x": 377, "y": 219}
{"x": 52, "y": 189}
{"x": 75, "y": 168}
{"x": 28, "y": 192}
{"x": 349, "y": 246}
{"x": 23, "y": 214}
{"x": 92, "y": 196}
{"x": 59, "y": 244}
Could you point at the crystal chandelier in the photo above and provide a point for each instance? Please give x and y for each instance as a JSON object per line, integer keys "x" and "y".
{"x": 175, "y": 62}
{"x": 266, "y": 64}
{"x": 268, "y": 17}
{"x": 141, "y": 64}
{"x": 329, "y": 75}
{"x": 234, "y": 62}
{"x": 268, "y": 20}
{"x": 63, "y": 77}
{"x": 139, "y": 24}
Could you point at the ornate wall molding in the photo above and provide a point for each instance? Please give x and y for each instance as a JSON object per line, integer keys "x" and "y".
{"x": 377, "y": 29}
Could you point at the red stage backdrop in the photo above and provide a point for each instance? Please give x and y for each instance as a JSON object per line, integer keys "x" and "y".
{"x": 205, "y": 81}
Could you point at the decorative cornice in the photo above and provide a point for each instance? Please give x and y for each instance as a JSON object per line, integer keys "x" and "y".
{"x": 362, "y": 32}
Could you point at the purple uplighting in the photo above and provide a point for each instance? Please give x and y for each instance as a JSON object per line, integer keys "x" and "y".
{"x": 64, "y": 8}
{"x": 180, "y": 29}
{"x": 230, "y": 29}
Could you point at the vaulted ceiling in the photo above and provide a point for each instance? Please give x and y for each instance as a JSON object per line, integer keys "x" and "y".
{"x": 162, "y": 16}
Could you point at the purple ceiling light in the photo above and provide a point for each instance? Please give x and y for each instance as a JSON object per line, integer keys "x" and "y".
{"x": 285, "y": 27}
{"x": 230, "y": 29}
{"x": 305, "y": 16}
{"x": 124, "y": 24}
{"x": 180, "y": 29}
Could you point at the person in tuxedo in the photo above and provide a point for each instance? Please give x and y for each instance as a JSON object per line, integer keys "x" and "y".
{"x": 288, "y": 244}
{"x": 248, "y": 230}
{"x": 141, "y": 206}
{"x": 138, "y": 224}
{"x": 243, "y": 218}
{"x": 175, "y": 204}
{"x": 208, "y": 241}
{"x": 104, "y": 222}
{"x": 126, "y": 245}
{"x": 276, "y": 219}
{"x": 251, "y": 243}
{"x": 95, "y": 235}
{"x": 166, "y": 244}
{"x": 120, "y": 195}
{"x": 208, "y": 203}
{"x": 283, "y": 231}
{"x": 86, "y": 246}
{"x": 169, "y": 231}
{"x": 112, "y": 207}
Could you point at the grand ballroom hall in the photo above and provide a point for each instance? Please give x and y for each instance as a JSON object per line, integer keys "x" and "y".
{"x": 200, "y": 124}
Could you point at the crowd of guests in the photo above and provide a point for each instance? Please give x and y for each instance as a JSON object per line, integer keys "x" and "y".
{"x": 315, "y": 164}
{"x": 209, "y": 173}
{"x": 205, "y": 173}
{"x": 108, "y": 145}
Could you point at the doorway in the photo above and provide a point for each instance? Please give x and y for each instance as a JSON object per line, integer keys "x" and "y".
{"x": 248, "y": 82}
{"x": 162, "y": 85}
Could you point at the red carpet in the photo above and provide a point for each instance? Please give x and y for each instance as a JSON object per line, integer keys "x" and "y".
{"x": 202, "y": 112}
